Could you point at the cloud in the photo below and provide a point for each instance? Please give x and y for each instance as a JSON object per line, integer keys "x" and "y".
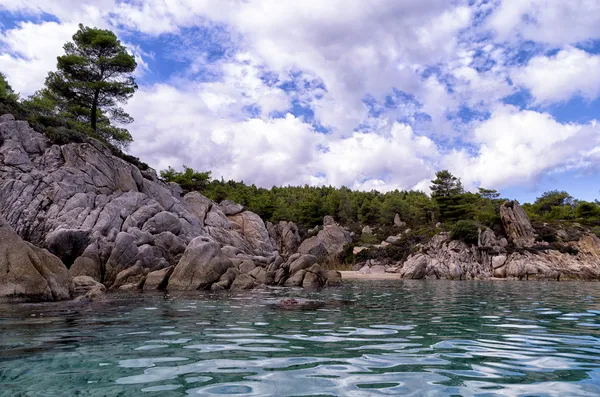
{"x": 30, "y": 51}
{"x": 554, "y": 22}
{"x": 558, "y": 78}
{"x": 516, "y": 147}
{"x": 403, "y": 88}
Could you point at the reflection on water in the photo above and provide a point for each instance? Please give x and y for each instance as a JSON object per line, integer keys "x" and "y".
{"x": 420, "y": 338}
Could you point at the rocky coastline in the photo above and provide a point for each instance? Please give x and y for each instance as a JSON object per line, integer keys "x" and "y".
{"x": 77, "y": 221}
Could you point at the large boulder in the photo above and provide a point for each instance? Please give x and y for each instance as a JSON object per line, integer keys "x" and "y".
{"x": 201, "y": 265}
{"x": 30, "y": 273}
{"x": 329, "y": 243}
{"x": 517, "y": 225}
{"x": 252, "y": 227}
{"x": 284, "y": 236}
{"x": 230, "y": 208}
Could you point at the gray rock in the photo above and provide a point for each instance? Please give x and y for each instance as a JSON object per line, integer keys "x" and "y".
{"x": 28, "y": 272}
{"x": 334, "y": 278}
{"x": 398, "y": 222}
{"x": 260, "y": 275}
{"x": 202, "y": 264}
{"x": 243, "y": 282}
{"x": 247, "y": 266}
{"x": 517, "y": 225}
{"x": 83, "y": 284}
{"x": 67, "y": 244}
{"x": 163, "y": 222}
{"x": 230, "y": 208}
{"x": 228, "y": 277}
{"x": 254, "y": 231}
{"x": 315, "y": 247}
{"x": 303, "y": 262}
{"x": 328, "y": 220}
{"x": 311, "y": 281}
{"x": 367, "y": 231}
{"x": 296, "y": 280}
{"x": 158, "y": 279}
{"x": 378, "y": 269}
{"x": 284, "y": 236}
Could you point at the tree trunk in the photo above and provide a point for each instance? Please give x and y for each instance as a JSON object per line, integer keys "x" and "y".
{"x": 94, "y": 110}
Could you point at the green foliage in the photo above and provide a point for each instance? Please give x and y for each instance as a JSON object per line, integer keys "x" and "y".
{"x": 189, "y": 180}
{"x": 465, "y": 230}
{"x": 93, "y": 77}
{"x": 445, "y": 185}
{"x": 6, "y": 91}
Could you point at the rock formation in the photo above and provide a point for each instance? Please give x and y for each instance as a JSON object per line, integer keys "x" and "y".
{"x": 124, "y": 228}
{"x": 523, "y": 258}
{"x": 516, "y": 223}
{"x": 30, "y": 273}
{"x": 329, "y": 243}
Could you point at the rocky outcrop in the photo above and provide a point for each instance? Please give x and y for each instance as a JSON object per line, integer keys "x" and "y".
{"x": 284, "y": 237}
{"x": 30, "y": 273}
{"x": 122, "y": 227}
{"x": 493, "y": 256}
{"x": 516, "y": 224}
{"x": 329, "y": 243}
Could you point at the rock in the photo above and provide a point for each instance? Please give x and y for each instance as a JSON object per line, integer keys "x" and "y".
{"x": 334, "y": 278}
{"x": 517, "y": 225}
{"x": 393, "y": 239}
{"x": 201, "y": 265}
{"x": 378, "y": 269}
{"x": 243, "y": 282}
{"x": 67, "y": 244}
{"x": 392, "y": 269}
{"x": 296, "y": 279}
{"x": 124, "y": 254}
{"x": 260, "y": 275}
{"x": 415, "y": 267}
{"x": 163, "y": 222}
{"x": 254, "y": 231}
{"x": 96, "y": 294}
{"x": 367, "y": 231}
{"x": 228, "y": 277}
{"x": 398, "y": 222}
{"x": 230, "y": 208}
{"x": 158, "y": 279}
{"x": 498, "y": 261}
{"x": 365, "y": 270}
{"x": 315, "y": 247}
{"x": 30, "y": 273}
{"x": 303, "y": 262}
{"x": 247, "y": 266}
{"x": 328, "y": 220}
{"x": 131, "y": 275}
{"x": 279, "y": 278}
{"x": 311, "y": 281}
{"x": 284, "y": 237}
{"x": 358, "y": 250}
{"x": 83, "y": 284}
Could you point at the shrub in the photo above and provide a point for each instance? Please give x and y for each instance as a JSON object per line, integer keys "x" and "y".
{"x": 467, "y": 231}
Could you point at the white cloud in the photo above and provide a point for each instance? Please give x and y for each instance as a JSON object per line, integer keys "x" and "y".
{"x": 354, "y": 48}
{"x": 555, "y": 22}
{"x": 30, "y": 51}
{"x": 570, "y": 72}
{"x": 516, "y": 147}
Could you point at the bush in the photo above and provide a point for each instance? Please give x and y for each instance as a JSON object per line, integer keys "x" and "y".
{"x": 467, "y": 231}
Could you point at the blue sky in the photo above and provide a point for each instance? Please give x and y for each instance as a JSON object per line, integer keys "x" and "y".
{"x": 370, "y": 94}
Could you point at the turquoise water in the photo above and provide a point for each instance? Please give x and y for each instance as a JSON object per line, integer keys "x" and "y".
{"x": 413, "y": 338}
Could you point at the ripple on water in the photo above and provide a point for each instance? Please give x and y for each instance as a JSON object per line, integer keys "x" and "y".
{"x": 386, "y": 338}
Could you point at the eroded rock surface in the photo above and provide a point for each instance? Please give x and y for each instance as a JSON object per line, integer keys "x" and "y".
{"x": 122, "y": 227}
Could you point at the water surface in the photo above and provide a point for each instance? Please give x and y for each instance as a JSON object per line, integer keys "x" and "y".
{"x": 412, "y": 338}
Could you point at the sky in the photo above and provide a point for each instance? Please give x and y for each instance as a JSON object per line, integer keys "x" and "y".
{"x": 368, "y": 94}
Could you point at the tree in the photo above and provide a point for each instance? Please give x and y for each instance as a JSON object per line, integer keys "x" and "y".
{"x": 445, "y": 185}
{"x": 189, "y": 180}
{"x": 93, "y": 77}
{"x": 6, "y": 91}
{"x": 489, "y": 194}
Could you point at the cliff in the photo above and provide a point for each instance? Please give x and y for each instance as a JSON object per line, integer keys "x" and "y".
{"x": 106, "y": 219}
